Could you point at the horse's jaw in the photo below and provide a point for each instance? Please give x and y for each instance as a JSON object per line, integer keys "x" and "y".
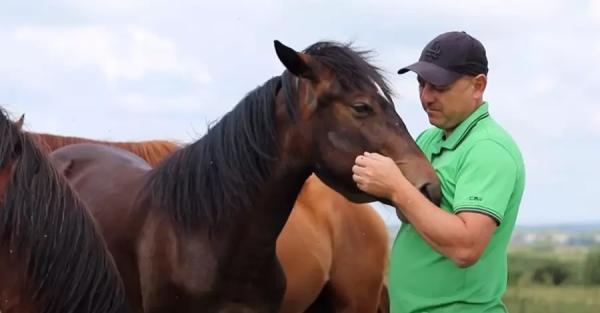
{"x": 349, "y": 191}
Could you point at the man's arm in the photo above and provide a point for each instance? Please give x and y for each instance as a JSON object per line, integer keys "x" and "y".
{"x": 481, "y": 195}
{"x": 461, "y": 237}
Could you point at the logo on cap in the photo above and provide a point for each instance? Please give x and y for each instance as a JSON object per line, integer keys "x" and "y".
{"x": 433, "y": 52}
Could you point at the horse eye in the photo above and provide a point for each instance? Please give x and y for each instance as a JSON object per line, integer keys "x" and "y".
{"x": 362, "y": 108}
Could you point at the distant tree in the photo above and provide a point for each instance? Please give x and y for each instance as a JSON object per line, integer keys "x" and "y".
{"x": 591, "y": 268}
{"x": 552, "y": 272}
{"x": 514, "y": 276}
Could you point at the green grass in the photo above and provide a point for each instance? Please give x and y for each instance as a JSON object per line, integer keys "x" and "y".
{"x": 546, "y": 299}
{"x": 567, "y": 254}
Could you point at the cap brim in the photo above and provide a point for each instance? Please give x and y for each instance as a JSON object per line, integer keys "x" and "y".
{"x": 432, "y": 73}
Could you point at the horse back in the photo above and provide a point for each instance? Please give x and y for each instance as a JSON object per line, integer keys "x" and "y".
{"x": 110, "y": 182}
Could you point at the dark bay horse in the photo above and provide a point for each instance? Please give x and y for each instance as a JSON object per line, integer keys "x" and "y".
{"x": 317, "y": 246}
{"x": 198, "y": 232}
{"x": 52, "y": 257}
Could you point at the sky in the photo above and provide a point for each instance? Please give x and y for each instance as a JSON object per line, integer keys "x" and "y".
{"x": 133, "y": 70}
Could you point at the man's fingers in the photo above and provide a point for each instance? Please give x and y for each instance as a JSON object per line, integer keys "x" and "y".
{"x": 377, "y": 156}
{"x": 362, "y": 171}
{"x": 358, "y": 179}
{"x": 369, "y": 158}
{"x": 360, "y": 182}
{"x": 356, "y": 169}
{"x": 361, "y": 160}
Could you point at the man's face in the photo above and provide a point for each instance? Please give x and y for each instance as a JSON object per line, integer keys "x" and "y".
{"x": 448, "y": 106}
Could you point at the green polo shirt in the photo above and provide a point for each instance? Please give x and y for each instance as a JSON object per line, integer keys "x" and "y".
{"x": 481, "y": 170}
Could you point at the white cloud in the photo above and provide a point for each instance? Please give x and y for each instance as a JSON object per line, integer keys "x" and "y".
{"x": 532, "y": 9}
{"x": 543, "y": 85}
{"x": 594, "y": 9}
{"x": 594, "y": 122}
{"x": 129, "y": 55}
{"x": 106, "y": 5}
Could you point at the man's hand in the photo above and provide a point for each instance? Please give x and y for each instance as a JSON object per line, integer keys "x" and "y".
{"x": 378, "y": 175}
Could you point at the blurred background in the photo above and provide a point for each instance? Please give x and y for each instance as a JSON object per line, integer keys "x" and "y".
{"x": 133, "y": 70}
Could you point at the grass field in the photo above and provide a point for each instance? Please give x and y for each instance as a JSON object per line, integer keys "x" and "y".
{"x": 546, "y": 299}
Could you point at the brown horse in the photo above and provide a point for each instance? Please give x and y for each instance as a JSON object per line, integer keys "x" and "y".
{"x": 316, "y": 248}
{"x": 152, "y": 151}
{"x": 52, "y": 258}
{"x": 334, "y": 254}
{"x": 198, "y": 232}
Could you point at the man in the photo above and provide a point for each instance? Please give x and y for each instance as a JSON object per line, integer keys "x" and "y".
{"x": 452, "y": 258}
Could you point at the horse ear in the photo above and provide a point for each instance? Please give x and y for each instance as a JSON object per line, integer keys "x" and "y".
{"x": 294, "y": 62}
{"x": 20, "y": 121}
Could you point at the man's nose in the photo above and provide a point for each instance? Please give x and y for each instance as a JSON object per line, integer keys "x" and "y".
{"x": 427, "y": 94}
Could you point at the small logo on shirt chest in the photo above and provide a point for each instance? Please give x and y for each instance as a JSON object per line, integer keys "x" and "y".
{"x": 475, "y": 198}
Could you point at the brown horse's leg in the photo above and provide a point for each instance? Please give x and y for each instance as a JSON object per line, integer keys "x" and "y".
{"x": 384, "y": 302}
{"x": 304, "y": 251}
{"x": 324, "y": 302}
{"x": 351, "y": 295}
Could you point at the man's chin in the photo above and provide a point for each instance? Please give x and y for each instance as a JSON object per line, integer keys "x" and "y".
{"x": 435, "y": 122}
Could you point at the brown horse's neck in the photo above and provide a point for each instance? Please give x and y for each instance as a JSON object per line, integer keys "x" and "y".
{"x": 4, "y": 180}
{"x": 274, "y": 204}
{"x": 250, "y": 259}
{"x": 273, "y": 207}
{"x": 294, "y": 166}
{"x": 12, "y": 291}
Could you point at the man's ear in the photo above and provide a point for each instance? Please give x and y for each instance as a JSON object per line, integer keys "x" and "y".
{"x": 479, "y": 84}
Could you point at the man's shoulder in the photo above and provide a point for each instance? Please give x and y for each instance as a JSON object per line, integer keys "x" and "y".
{"x": 492, "y": 140}
{"x": 490, "y": 130}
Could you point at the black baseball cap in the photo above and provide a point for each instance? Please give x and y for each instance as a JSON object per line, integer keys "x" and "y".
{"x": 448, "y": 57}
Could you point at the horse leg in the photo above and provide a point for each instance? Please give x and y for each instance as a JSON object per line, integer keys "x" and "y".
{"x": 304, "y": 252}
{"x": 357, "y": 282}
{"x": 384, "y": 302}
{"x": 303, "y": 287}
{"x": 356, "y": 297}
{"x": 324, "y": 302}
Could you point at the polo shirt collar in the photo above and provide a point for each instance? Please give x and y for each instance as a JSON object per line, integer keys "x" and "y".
{"x": 463, "y": 129}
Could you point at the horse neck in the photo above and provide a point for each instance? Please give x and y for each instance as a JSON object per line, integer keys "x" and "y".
{"x": 250, "y": 257}
{"x": 13, "y": 294}
{"x": 274, "y": 205}
{"x": 279, "y": 192}
{"x": 4, "y": 180}
{"x": 256, "y": 175}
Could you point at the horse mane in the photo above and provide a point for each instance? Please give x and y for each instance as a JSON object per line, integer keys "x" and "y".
{"x": 219, "y": 175}
{"x": 352, "y": 67}
{"x": 152, "y": 151}
{"x": 225, "y": 168}
{"x": 42, "y": 222}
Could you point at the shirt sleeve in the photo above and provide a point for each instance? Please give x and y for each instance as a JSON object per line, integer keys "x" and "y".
{"x": 485, "y": 180}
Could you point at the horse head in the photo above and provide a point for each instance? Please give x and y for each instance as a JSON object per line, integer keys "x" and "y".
{"x": 344, "y": 108}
